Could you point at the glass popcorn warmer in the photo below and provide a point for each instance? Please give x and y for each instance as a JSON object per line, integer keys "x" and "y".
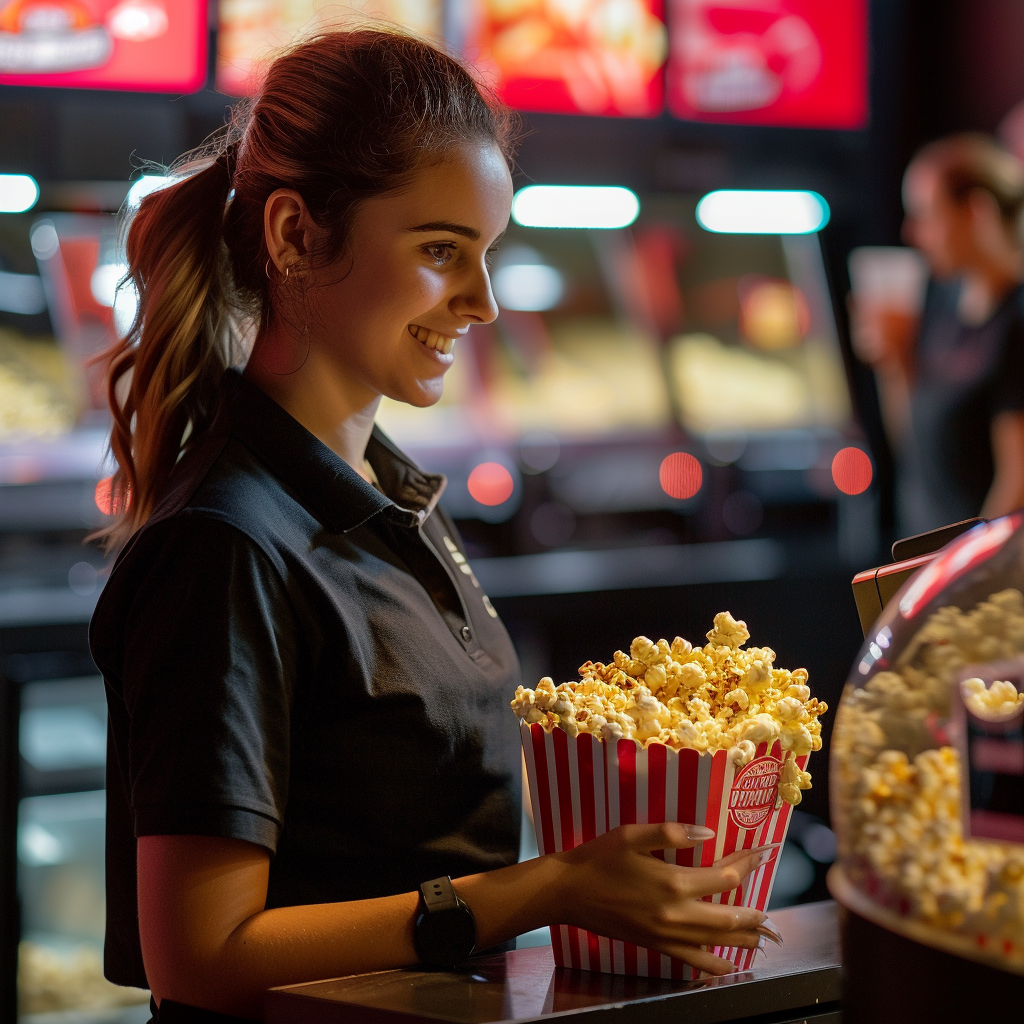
{"x": 927, "y": 778}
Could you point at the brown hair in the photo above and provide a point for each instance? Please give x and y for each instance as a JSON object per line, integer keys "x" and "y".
{"x": 341, "y": 117}
{"x": 972, "y": 161}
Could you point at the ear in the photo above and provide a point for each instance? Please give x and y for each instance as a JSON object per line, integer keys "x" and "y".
{"x": 287, "y": 227}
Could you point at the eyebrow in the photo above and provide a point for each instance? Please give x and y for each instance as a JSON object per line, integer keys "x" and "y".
{"x": 455, "y": 229}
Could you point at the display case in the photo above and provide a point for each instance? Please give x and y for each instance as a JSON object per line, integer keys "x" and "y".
{"x": 927, "y": 770}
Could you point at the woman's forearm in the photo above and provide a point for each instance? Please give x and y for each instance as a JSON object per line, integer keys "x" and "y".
{"x": 207, "y": 943}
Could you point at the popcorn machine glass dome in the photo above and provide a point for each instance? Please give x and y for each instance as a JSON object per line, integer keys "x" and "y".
{"x": 927, "y": 769}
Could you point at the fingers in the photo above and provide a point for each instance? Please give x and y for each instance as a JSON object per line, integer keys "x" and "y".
{"x": 667, "y": 835}
{"x": 707, "y": 937}
{"x": 702, "y": 960}
{"x": 729, "y": 872}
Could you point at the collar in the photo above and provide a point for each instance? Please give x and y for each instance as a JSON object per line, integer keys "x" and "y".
{"x": 327, "y": 485}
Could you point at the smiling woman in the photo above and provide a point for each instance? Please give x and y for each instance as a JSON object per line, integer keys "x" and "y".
{"x": 307, "y": 688}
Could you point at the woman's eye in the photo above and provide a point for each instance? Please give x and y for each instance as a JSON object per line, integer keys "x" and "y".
{"x": 440, "y": 253}
{"x": 489, "y": 258}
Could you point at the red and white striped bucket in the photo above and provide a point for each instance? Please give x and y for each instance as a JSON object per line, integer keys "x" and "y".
{"x": 580, "y": 788}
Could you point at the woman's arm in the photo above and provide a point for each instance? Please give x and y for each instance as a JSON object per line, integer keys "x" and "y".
{"x": 1007, "y": 491}
{"x": 208, "y": 942}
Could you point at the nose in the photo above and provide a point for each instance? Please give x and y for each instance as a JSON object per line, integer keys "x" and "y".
{"x": 475, "y": 300}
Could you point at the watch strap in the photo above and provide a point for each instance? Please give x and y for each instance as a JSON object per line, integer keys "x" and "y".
{"x": 439, "y": 894}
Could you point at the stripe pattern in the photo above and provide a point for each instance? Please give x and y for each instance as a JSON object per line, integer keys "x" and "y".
{"x": 580, "y": 788}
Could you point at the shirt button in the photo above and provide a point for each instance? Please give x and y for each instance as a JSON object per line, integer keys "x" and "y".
{"x": 467, "y": 633}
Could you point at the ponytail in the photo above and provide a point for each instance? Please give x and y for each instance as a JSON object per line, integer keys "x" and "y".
{"x": 175, "y": 353}
{"x": 341, "y": 117}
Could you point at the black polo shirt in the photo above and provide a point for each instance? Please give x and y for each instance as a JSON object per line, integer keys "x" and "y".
{"x": 966, "y": 376}
{"x": 295, "y": 658}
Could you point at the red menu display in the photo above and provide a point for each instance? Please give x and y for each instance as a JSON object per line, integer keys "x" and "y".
{"x": 587, "y": 57}
{"x": 137, "y": 45}
{"x": 800, "y": 63}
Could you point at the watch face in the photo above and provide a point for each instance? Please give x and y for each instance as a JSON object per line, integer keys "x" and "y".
{"x": 445, "y": 937}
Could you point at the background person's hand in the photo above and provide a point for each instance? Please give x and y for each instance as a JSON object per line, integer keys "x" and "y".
{"x": 882, "y": 336}
{"x": 614, "y": 886}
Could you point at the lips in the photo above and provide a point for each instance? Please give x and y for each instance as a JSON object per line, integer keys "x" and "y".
{"x": 431, "y": 339}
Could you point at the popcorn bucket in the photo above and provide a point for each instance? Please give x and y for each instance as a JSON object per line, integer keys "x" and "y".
{"x": 580, "y": 788}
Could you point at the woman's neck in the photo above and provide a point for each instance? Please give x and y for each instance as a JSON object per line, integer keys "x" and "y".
{"x": 335, "y": 410}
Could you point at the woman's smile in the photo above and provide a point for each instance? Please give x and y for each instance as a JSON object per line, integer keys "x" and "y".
{"x": 433, "y": 341}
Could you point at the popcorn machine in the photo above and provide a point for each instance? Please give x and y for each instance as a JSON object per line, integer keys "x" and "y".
{"x": 927, "y": 782}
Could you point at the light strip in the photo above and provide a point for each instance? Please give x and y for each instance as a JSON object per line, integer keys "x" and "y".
{"x": 737, "y": 212}
{"x": 18, "y": 193}
{"x": 575, "y": 206}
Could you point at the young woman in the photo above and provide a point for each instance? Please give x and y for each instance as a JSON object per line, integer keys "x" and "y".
{"x": 308, "y": 691}
{"x": 952, "y": 385}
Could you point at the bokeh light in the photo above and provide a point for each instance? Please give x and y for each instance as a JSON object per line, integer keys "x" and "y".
{"x": 681, "y": 475}
{"x": 104, "y": 497}
{"x": 851, "y": 470}
{"x": 490, "y": 483}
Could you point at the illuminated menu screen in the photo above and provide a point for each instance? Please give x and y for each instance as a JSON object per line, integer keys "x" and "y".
{"x": 251, "y": 30}
{"x": 586, "y": 57}
{"x": 800, "y": 63}
{"x": 137, "y": 45}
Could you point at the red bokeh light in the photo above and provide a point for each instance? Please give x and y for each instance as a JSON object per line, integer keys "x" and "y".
{"x": 491, "y": 483}
{"x": 104, "y": 497}
{"x": 851, "y": 471}
{"x": 681, "y": 475}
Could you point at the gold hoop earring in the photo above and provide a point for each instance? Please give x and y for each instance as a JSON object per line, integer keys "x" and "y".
{"x": 287, "y": 271}
{"x": 266, "y": 270}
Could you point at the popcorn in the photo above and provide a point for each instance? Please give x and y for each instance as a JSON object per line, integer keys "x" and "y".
{"x": 715, "y": 697}
{"x": 898, "y": 787}
{"x": 996, "y": 703}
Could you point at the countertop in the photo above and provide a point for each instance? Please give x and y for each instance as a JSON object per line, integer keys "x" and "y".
{"x": 799, "y": 981}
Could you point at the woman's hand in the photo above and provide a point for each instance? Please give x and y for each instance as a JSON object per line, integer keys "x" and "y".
{"x": 614, "y": 886}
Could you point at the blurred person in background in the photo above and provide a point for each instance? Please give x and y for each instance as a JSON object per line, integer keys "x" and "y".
{"x": 951, "y": 382}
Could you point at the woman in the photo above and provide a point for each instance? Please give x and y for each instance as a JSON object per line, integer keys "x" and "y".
{"x": 954, "y": 398}
{"x": 308, "y": 691}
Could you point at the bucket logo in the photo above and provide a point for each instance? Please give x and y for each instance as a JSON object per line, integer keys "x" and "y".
{"x": 753, "y": 792}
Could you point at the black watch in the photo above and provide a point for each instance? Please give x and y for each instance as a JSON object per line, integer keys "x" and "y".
{"x": 445, "y": 931}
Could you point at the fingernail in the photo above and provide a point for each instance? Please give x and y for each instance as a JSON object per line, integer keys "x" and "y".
{"x": 699, "y": 833}
{"x": 767, "y": 932}
{"x": 765, "y": 856}
{"x": 767, "y": 846}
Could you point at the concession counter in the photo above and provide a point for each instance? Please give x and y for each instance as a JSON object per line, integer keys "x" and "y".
{"x": 799, "y": 982}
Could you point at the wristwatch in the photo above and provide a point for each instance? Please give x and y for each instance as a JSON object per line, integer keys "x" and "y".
{"x": 445, "y": 931}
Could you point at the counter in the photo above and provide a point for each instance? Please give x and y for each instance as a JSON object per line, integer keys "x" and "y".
{"x": 799, "y": 982}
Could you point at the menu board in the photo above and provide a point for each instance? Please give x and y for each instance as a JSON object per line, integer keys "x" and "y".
{"x": 136, "y": 45}
{"x": 586, "y": 57}
{"x": 250, "y": 30}
{"x": 800, "y": 63}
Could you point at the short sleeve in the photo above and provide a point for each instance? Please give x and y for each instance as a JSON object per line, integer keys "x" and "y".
{"x": 1008, "y": 395}
{"x": 208, "y": 683}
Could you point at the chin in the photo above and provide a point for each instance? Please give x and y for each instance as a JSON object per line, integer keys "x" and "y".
{"x": 422, "y": 395}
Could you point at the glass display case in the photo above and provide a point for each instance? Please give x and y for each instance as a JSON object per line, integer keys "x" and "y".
{"x": 927, "y": 770}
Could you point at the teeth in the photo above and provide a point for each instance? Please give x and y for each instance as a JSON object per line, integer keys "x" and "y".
{"x": 431, "y": 339}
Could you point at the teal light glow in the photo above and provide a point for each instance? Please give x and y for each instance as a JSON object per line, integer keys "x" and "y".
{"x": 736, "y": 212}
{"x": 575, "y": 206}
{"x": 18, "y": 193}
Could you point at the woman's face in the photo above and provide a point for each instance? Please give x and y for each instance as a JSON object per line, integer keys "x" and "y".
{"x": 936, "y": 225}
{"x": 414, "y": 278}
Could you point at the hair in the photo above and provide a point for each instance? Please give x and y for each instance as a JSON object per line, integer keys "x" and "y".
{"x": 341, "y": 117}
{"x": 974, "y": 161}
